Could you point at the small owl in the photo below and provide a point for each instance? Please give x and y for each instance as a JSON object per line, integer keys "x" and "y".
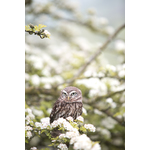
{"x": 68, "y": 104}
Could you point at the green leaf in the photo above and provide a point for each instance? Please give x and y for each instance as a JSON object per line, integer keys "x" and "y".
{"x": 121, "y": 112}
{"x": 83, "y": 129}
{"x": 27, "y": 28}
{"x": 26, "y": 140}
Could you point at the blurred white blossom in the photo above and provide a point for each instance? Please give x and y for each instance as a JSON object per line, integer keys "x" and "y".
{"x": 111, "y": 68}
{"x": 109, "y": 30}
{"x": 45, "y": 122}
{"x": 38, "y": 124}
{"x": 84, "y": 111}
{"x": 108, "y": 122}
{"x": 90, "y": 127}
{"x": 80, "y": 118}
{"x": 37, "y": 112}
{"x": 69, "y": 118}
{"x": 28, "y": 128}
{"x": 119, "y": 45}
{"x": 27, "y": 76}
{"x": 62, "y": 136}
{"x": 29, "y": 134}
{"x": 35, "y": 79}
{"x": 47, "y": 33}
{"x": 82, "y": 142}
{"x": 96, "y": 147}
{"x": 109, "y": 100}
{"x": 121, "y": 73}
{"x": 33, "y": 148}
{"x": 62, "y": 146}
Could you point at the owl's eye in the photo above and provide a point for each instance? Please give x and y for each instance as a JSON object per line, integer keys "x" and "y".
{"x": 74, "y": 94}
{"x": 64, "y": 94}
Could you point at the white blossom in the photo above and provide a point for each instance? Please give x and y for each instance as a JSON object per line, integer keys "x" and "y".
{"x": 35, "y": 79}
{"x": 73, "y": 140}
{"x": 94, "y": 92}
{"x": 45, "y": 122}
{"x": 37, "y": 112}
{"x": 113, "y": 105}
{"x": 54, "y": 124}
{"x": 49, "y": 110}
{"x": 28, "y": 128}
{"x": 38, "y": 124}
{"x": 31, "y": 116}
{"x": 109, "y": 100}
{"x": 62, "y": 136}
{"x": 90, "y": 127}
{"x": 29, "y": 134}
{"x": 84, "y": 111}
{"x": 27, "y": 76}
{"x": 80, "y": 118}
{"x": 103, "y": 21}
{"x": 33, "y": 148}
{"x": 111, "y": 68}
{"x": 69, "y": 118}
{"x": 72, "y": 134}
{"x": 96, "y": 147}
{"x": 28, "y": 110}
{"x": 120, "y": 45}
{"x": 46, "y": 33}
{"x": 62, "y": 146}
{"x": 82, "y": 142}
{"x": 121, "y": 73}
{"x": 108, "y": 122}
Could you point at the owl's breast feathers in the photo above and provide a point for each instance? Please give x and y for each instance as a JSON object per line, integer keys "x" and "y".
{"x": 62, "y": 109}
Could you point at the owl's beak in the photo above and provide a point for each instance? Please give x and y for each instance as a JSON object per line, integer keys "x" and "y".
{"x": 68, "y": 98}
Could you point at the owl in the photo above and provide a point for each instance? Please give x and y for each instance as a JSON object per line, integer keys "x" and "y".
{"x": 68, "y": 104}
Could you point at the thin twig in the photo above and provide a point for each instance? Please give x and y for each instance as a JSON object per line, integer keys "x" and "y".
{"x": 98, "y": 52}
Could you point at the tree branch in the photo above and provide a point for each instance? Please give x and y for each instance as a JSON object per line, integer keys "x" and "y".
{"x": 36, "y": 91}
{"x": 107, "y": 112}
{"x": 94, "y": 56}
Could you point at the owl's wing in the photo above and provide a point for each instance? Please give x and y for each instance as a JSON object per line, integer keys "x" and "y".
{"x": 55, "y": 110}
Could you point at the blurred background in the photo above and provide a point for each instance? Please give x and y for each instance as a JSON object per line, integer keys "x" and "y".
{"x": 78, "y": 30}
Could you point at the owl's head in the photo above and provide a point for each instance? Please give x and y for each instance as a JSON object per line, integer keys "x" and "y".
{"x": 71, "y": 94}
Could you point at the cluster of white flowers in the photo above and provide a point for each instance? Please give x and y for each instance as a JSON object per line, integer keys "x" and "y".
{"x": 47, "y": 81}
{"x": 29, "y": 117}
{"x": 62, "y": 146}
{"x": 29, "y": 134}
{"x": 62, "y": 123}
{"x": 37, "y": 112}
{"x": 80, "y": 118}
{"x": 96, "y": 147}
{"x": 78, "y": 141}
{"x": 83, "y": 142}
{"x": 90, "y": 127}
{"x": 69, "y": 118}
{"x": 28, "y": 128}
{"x": 45, "y": 122}
{"x": 110, "y": 68}
{"x": 111, "y": 102}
